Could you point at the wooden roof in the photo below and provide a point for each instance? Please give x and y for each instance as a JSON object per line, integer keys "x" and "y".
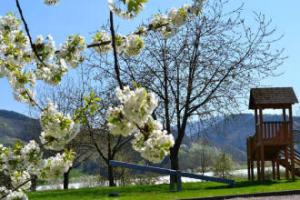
{"x": 276, "y": 97}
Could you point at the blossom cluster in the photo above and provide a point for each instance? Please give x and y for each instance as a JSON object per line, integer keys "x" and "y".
{"x": 133, "y": 117}
{"x": 58, "y": 129}
{"x": 57, "y": 165}
{"x": 129, "y": 46}
{"x": 22, "y": 64}
{"x": 15, "y": 53}
{"x": 123, "y": 8}
{"x": 166, "y": 24}
{"x": 52, "y": 65}
{"x": 18, "y": 56}
{"x": 21, "y": 162}
{"x": 126, "y": 8}
{"x": 14, "y": 195}
{"x": 132, "y": 44}
{"x": 71, "y": 50}
{"x": 51, "y": 2}
{"x": 153, "y": 142}
{"x": 50, "y": 69}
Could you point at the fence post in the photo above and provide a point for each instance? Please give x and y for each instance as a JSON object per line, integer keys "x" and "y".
{"x": 179, "y": 181}
{"x": 171, "y": 185}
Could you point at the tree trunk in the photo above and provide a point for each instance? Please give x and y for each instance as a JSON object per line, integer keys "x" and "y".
{"x": 174, "y": 165}
{"x": 33, "y": 183}
{"x": 174, "y": 151}
{"x": 66, "y": 179}
{"x": 111, "y": 179}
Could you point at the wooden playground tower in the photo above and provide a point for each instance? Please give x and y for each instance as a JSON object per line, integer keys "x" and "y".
{"x": 273, "y": 140}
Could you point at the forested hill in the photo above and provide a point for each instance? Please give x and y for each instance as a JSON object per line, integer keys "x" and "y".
{"x": 15, "y": 126}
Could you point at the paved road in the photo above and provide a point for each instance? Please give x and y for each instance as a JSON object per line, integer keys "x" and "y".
{"x": 290, "y": 197}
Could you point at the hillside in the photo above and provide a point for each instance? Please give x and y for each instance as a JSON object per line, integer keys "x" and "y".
{"x": 230, "y": 133}
{"x": 15, "y": 126}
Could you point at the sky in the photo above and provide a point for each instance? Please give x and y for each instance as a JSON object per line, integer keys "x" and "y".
{"x": 80, "y": 17}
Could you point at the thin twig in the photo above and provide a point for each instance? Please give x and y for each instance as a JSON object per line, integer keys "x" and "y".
{"x": 115, "y": 53}
{"x": 28, "y": 33}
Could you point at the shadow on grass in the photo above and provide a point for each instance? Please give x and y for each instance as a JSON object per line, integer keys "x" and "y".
{"x": 243, "y": 184}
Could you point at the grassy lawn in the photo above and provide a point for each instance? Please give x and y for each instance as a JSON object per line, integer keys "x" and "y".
{"x": 160, "y": 192}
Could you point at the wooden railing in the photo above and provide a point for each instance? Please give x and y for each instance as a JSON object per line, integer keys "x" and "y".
{"x": 272, "y": 133}
{"x": 296, "y": 156}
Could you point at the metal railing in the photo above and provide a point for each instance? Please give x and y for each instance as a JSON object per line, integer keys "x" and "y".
{"x": 176, "y": 173}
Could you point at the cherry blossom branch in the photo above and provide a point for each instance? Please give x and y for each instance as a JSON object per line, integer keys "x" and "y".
{"x": 31, "y": 99}
{"x": 28, "y": 33}
{"x": 15, "y": 189}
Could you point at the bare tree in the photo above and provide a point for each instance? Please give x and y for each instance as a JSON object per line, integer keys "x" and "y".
{"x": 206, "y": 68}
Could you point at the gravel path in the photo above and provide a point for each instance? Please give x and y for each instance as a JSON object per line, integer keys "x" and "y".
{"x": 289, "y": 197}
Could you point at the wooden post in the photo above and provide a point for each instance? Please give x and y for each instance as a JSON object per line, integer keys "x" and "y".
{"x": 286, "y": 157}
{"x": 278, "y": 169}
{"x": 284, "y": 114}
{"x": 179, "y": 181}
{"x": 249, "y": 169}
{"x": 256, "y": 123}
{"x": 248, "y": 157}
{"x": 258, "y": 170}
{"x": 291, "y": 142}
{"x": 252, "y": 170}
{"x": 262, "y": 153}
{"x": 273, "y": 170}
{"x": 255, "y": 147}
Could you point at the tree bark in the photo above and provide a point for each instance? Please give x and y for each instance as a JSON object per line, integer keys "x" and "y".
{"x": 111, "y": 179}
{"x": 33, "y": 183}
{"x": 174, "y": 165}
{"x": 174, "y": 151}
{"x": 66, "y": 179}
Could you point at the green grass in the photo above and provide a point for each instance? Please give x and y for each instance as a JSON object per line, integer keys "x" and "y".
{"x": 160, "y": 192}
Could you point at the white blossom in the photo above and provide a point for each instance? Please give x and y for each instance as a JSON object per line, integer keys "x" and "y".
{"x": 102, "y": 37}
{"x": 32, "y": 156}
{"x": 21, "y": 180}
{"x": 129, "y": 10}
{"x": 134, "y": 45}
{"x": 133, "y": 117}
{"x": 16, "y": 195}
{"x": 139, "y": 105}
{"x": 53, "y": 72}
{"x": 71, "y": 50}
{"x": 3, "y": 191}
{"x": 152, "y": 142}
{"x": 45, "y": 48}
{"x": 15, "y": 50}
{"x": 58, "y": 129}
{"x": 51, "y": 2}
{"x": 178, "y": 17}
{"x": 118, "y": 124}
{"x": 9, "y": 23}
{"x": 57, "y": 165}
{"x": 160, "y": 23}
{"x": 19, "y": 82}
